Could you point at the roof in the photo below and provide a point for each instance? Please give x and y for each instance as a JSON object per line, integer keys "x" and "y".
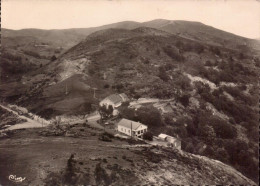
{"x": 124, "y": 96}
{"x": 163, "y": 136}
{"x": 115, "y": 98}
{"x": 127, "y": 123}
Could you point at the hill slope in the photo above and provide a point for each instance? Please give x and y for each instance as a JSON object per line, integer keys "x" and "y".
{"x": 212, "y": 90}
{"x": 97, "y": 162}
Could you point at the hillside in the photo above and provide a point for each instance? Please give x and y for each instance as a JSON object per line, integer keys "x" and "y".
{"x": 213, "y": 90}
{"x": 97, "y": 162}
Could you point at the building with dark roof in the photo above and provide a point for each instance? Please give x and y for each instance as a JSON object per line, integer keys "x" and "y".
{"x": 115, "y": 100}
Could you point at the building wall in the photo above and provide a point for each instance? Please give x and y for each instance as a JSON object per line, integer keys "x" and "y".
{"x": 174, "y": 142}
{"x": 141, "y": 130}
{"x": 124, "y": 130}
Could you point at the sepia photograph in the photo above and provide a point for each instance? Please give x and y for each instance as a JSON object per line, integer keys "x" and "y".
{"x": 129, "y": 92}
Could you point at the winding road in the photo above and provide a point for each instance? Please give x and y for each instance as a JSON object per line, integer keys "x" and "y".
{"x": 29, "y": 124}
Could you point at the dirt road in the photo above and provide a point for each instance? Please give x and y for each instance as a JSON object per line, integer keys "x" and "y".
{"x": 29, "y": 124}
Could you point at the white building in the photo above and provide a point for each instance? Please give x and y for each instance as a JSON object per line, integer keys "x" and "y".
{"x": 131, "y": 128}
{"x": 115, "y": 100}
{"x": 172, "y": 141}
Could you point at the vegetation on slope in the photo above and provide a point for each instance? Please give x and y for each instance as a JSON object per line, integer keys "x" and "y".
{"x": 214, "y": 88}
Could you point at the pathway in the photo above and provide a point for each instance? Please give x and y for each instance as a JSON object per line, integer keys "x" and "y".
{"x": 29, "y": 124}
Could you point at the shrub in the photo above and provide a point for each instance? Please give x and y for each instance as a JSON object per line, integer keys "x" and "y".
{"x": 106, "y": 137}
{"x": 168, "y": 119}
{"x": 70, "y": 174}
{"x": 215, "y": 50}
{"x": 183, "y": 82}
{"x": 208, "y": 63}
{"x": 222, "y": 128}
{"x": 148, "y": 136}
{"x": 32, "y": 53}
{"x": 207, "y": 132}
{"x": 173, "y": 53}
{"x": 184, "y": 100}
{"x": 149, "y": 115}
{"x": 11, "y": 57}
{"x": 53, "y": 58}
{"x": 162, "y": 74}
{"x": 101, "y": 176}
{"x": 128, "y": 113}
{"x": 222, "y": 155}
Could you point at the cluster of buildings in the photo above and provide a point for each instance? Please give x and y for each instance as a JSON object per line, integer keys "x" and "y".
{"x": 132, "y": 128}
{"x": 137, "y": 130}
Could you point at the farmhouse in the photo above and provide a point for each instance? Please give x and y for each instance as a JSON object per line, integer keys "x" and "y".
{"x": 115, "y": 100}
{"x": 131, "y": 128}
{"x": 172, "y": 141}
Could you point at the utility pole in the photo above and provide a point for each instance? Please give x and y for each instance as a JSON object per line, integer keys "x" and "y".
{"x": 94, "y": 92}
{"x": 131, "y": 131}
{"x": 66, "y": 91}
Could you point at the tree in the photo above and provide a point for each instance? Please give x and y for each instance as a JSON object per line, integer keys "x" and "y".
{"x": 110, "y": 110}
{"x": 168, "y": 119}
{"x": 222, "y": 128}
{"x": 162, "y": 74}
{"x": 53, "y": 58}
{"x": 207, "y": 133}
{"x": 173, "y": 52}
{"x": 148, "y": 136}
{"x": 128, "y": 113}
{"x": 149, "y": 115}
{"x": 70, "y": 175}
{"x": 105, "y": 112}
{"x": 85, "y": 108}
{"x": 184, "y": 100}
{"x": 222, "y": 155}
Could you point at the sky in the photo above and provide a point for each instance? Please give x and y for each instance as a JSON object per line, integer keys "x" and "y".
{"x": 241, "y": 17}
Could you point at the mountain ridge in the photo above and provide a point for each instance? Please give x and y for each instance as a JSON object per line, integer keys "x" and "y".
{"x": 188, "y": 29}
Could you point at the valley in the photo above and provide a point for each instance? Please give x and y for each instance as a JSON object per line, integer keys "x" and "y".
{"x": 185, "y": 79}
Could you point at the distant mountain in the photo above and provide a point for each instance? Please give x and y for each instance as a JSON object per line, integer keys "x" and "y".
{"x": 202, "y": 32}
{"x": 66, "y": 38}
